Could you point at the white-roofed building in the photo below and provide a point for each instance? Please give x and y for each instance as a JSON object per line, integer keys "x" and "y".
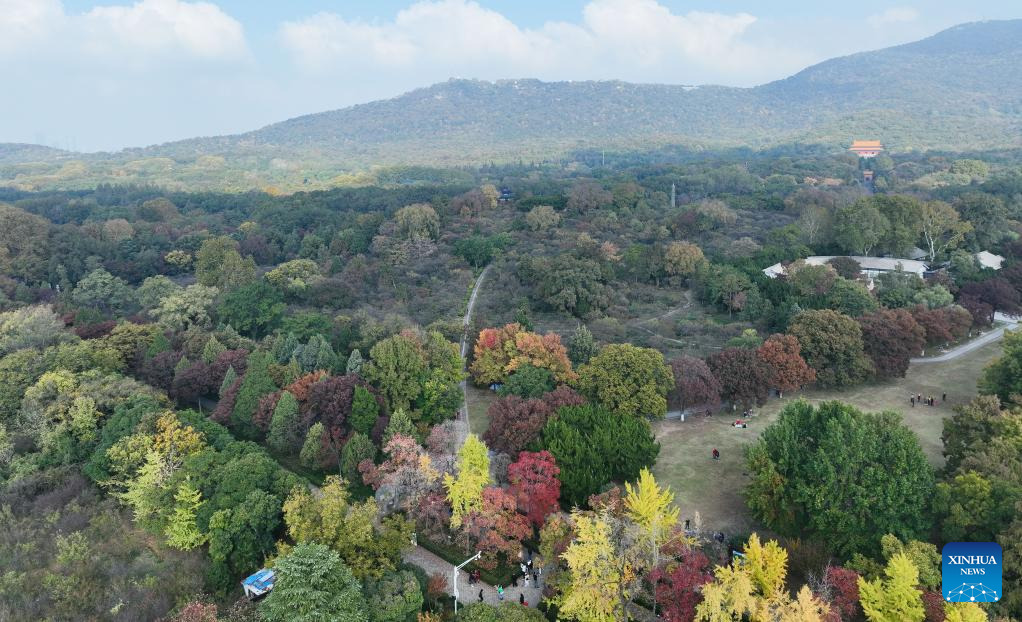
{"x": 870, "y": 266}
{"x": 989, "y": 260}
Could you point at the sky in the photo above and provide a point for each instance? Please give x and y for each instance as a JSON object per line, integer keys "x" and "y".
{"x": 90, "y": 76}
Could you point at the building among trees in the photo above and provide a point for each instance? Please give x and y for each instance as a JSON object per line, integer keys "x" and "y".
{"x": 866, "y": 148}
{"x": 870, "y": 267}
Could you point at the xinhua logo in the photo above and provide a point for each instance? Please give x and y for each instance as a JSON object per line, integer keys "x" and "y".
{"x": 971, "y": 572}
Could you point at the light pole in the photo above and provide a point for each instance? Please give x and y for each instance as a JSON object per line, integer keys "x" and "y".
{"x": 454, "y": 576}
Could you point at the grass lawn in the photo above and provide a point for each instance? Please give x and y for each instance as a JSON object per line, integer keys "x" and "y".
{"x": 714, "y": 488}
{"x": 479, "y": 401}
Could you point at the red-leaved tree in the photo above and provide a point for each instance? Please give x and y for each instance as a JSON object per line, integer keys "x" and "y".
{"x": 694, "y": 384}
{"x": 679, "y": 586}
{"x": 534, "y": 485}
{"x": 783, "y": 355}
{"x": 497, "y": 528}
{"x": 514, "y": 423}
{"x": 844, "y": 597}
{"x": 890, "y": 338}
{"x": 744, "y": 377}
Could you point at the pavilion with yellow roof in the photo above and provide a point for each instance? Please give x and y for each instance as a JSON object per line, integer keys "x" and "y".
{"x": 866, "y": 148}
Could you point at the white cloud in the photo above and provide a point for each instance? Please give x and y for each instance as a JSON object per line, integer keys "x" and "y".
{"x": 634, "y": 39}
{"x": 23, "y": 22}
{"x": 197, "y": 29}
{"x": 893, "y": 15}
{"x": 128, "y": 33}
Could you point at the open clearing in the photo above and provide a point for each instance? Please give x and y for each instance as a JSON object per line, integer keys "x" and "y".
{"x": 713, "y": 488}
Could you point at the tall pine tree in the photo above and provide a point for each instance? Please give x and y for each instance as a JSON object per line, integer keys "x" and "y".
{"x": 285, "y": 431}
{"x": 256, "y": 383}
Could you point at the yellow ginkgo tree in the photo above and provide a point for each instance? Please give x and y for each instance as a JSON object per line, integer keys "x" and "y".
{"x": 595, "y": 585}
{"x": 754, "y": 589}
{"x": 465, "y": 491}
{"x": 652, "y": 510}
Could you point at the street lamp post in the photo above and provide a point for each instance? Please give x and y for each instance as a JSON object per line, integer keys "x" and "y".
{"x": 454, "y": 576}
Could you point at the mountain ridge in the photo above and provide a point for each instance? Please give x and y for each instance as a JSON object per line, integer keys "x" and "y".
{"x": 959, "y": 89}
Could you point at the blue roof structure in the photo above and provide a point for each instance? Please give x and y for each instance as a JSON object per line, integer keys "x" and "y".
{"x": 259, "y": 583}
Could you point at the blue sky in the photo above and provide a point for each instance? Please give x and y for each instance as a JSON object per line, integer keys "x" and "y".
{"x": 103, "y": 75}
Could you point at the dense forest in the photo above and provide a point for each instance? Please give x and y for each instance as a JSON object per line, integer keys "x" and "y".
{"x": 197, "y": 385}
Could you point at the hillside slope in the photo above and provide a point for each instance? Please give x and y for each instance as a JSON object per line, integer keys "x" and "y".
{"x": 960, "y": 89}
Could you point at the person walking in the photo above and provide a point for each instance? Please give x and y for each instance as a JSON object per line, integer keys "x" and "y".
{"x": 521, "y": 599}
{"x": 912, "y": 399}
{"x": 500, "y": 592}
{"x": 514, "y": 580}
{"x": 715, "y": 454}
{"x": 480, "y": 595}
{"x": 943, "y": 397}
{"x": 522, "y": 566}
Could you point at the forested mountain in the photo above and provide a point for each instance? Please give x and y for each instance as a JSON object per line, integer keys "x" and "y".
{"x": 960, "y": 89}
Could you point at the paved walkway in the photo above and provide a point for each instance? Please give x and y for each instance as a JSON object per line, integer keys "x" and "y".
{"x": 1010, "y": 322}
{"x": 433, "y": 564}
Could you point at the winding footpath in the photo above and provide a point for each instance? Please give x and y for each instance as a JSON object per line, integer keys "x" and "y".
{"x": 1010, "y": 322}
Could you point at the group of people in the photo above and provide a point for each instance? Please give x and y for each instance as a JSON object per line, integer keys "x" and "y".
{"x": 930, "y": 400}
{"x": 529, "y": 572}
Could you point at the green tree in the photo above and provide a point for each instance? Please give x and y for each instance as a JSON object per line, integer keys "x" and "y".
{"x": 528, "y": 382}
{"x": 504, "y": 612}
{"x": 1003, "y": 377}
{"x": 895, "y": 597}
{"x": 256, "y": 383}
{"x": 331, "y": 518}
{"x": 400, "y": 423}
{"x": 593, "y": 446}
{"x": 542, "y": 217}
{"x": 835, "y": 472}
{"x": 418, "y": 221}
{"x": 355, "y": 363}
{"x": 219, "y": 264}
{"x": 103, "y": 291}
{"x": 903, "y": 214}
{"x": 859, "y": 228}
{"x": 364, "y": 410}
{"x": 832, "y": 345}
{"x": 358, "y": 448}
{"x": 313, "y": 454}
{"x": 396, "y": 597}
{"x": 241, "y": 537}
{"x": 187, "y": 308}
{"x": 942, "y": 228}
{"x": 229, "y": 377}
{"x": 182, "y": 532}
{"x": 628, "y": 380}
{"x": 581, "y": 346}
{"x": 851, "y": 298}
{"x": 923, "y": 555}
{"x": 212, "y": 349}
{"x": 397, "y": 366}
{"x": 313, "y": 585}
{"x": 285, "y": 435}
{"x": 465, "y": 492}
{"x": 294, "y": 277}
{"x": 24, "y": 244}
{"x": 253, "y": 308}
{"x": 988, "y": 216}
{"x": 30, "y": 327}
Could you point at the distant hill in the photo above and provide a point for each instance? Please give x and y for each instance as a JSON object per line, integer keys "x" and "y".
{"x": 960, "y": 89}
